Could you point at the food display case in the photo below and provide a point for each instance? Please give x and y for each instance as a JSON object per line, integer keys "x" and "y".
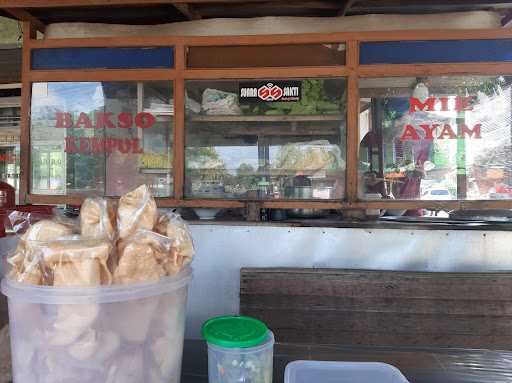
{"x": 304, "y": 122}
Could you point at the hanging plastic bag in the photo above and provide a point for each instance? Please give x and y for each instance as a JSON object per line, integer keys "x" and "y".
{"x": 218, "y": 102}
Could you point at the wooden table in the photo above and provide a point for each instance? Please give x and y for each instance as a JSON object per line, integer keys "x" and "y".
{"x": 418, "y": 365}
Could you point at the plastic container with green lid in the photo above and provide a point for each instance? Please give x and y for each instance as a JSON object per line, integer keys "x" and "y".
{"x": 240, "y": 350}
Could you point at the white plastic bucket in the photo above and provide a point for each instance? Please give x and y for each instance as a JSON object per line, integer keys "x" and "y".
{"x": 112, "y": 334}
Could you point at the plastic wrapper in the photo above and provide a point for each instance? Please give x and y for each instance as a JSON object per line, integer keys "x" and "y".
{"x": 76, "y": 261}
{"x": 68, "y": 261}
{"x": 97, "y": 218}
{"x": 314, "y": 155}
{"x": 147, "y": 256}
{"x": 25, "y": 265}
{"x": 176, "y": 229}
{"x": 218, "y": 102}
{"x": 136, "y": 210}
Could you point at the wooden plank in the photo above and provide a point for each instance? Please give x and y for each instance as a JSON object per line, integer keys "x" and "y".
{"x": 258, "y": 56}
{"x": 277, "y": 301}
{"x": 296, "y": 204}
{"x": 381, "y": 285}
{"x": 22, "y": 15}
{"x": 74, "y": 199}
{"x": 179, "y": 124}
{"x": 274, "y": 73}
{"x": 10, "y": 66}
{"x": 385, "y": 323}
{"x": 284, "y": 118}
{"x": 100, "y": 75}
{"x": 303, "y": 38}
{"x": 187, "y": 11}
{"x": 110, "y": 3}
{"x": 365, "y": 339}
{"x": 269, "y": 8}
{"x": 380, "y": 308}
{"x": 28, "y": 33}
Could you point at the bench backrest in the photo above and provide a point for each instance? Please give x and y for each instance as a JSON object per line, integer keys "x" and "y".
{"x": 381, "y": 308}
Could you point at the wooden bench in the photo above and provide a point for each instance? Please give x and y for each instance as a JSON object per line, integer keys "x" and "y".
{"x": 381, "y": 308}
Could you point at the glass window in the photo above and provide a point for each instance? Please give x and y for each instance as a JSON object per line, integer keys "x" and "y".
{"x": 266, "y": 139}
{"x": 102, "y": 138}
{"x": 254, "y": 56}
{"x": 436, "y": 138}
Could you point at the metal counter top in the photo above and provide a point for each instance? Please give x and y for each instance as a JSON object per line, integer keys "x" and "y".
{"x": 408, "y": 223}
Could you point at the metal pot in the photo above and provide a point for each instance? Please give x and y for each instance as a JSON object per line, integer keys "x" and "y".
{"x": 306, "y": 192}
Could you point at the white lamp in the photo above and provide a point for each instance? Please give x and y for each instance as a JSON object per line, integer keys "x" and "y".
{"x": 420, "y": 91}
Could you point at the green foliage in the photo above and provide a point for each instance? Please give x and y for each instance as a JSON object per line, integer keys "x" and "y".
{"x": 10, "y": 31}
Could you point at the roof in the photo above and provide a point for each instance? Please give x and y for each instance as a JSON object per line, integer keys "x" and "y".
{"x": 167, "y": 11}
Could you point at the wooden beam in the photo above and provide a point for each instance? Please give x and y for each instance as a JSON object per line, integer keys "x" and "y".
{"x": 187, "y": 11}
{"x": 23, "y": 15}
{"x": 421, "y": 6}
{"x": 107, "y": 3}
{"x": 346, "y": 6}
{"x": 26, "y": 89}
{"x": 178, "y": 164}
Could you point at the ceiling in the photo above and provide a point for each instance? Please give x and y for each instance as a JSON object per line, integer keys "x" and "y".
{"x": 165, "y": 11}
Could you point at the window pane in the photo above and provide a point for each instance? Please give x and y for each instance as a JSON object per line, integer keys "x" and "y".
{"x": 446, "y": 51}
{"x": 253, "y": 56}
{"x": 436, "y": 138}
{"x": 102, "y": 58}
{"x": 266, "y": 139}
{"x": 101, "y": 137}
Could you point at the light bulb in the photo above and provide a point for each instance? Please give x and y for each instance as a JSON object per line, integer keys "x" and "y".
{"x": 420, "y": 91}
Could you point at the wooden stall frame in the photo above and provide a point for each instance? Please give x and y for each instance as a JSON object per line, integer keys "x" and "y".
{"x": 352, "y": 71}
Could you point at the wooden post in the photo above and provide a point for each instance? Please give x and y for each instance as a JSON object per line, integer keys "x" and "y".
{"x": 178, "y": 165}
{"x": 352, "y": 121}
{"x": 29, "y": 33}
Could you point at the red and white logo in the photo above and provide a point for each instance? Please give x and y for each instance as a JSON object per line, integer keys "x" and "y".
{"x": 270, "y": 92}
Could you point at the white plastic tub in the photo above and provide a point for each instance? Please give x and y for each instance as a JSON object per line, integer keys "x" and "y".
{"x": 306, "y": 371}
{"x": 109, "y": 334}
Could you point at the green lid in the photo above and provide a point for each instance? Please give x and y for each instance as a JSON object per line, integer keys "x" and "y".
{"x": 234, "y": 331}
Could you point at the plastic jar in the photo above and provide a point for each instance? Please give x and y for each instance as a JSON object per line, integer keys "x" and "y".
{"x": 117, "y": 334}
{"x": 240, "y": 350}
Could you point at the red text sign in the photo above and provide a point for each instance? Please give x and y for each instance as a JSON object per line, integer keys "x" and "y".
{"x": 103, "y": 120}
{"x": 124, "y": 120}
{"x": 440, "y": 131}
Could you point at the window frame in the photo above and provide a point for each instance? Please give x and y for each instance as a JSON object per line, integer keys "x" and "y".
{"x": 352, "y": 71}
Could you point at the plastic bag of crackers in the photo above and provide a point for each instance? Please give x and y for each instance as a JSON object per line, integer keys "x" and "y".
{"x": 130, "y": 244}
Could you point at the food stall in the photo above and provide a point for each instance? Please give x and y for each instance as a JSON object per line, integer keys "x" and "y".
{"x": 303, "y": 135}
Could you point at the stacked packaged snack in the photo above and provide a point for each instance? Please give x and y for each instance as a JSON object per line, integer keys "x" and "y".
{"x": 134, "y": 245}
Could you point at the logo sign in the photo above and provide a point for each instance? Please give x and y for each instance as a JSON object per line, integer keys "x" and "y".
{"x": 269, "y": 91}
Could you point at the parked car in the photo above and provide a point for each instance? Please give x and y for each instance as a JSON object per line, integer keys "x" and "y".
{"x": 437, "y": 193}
